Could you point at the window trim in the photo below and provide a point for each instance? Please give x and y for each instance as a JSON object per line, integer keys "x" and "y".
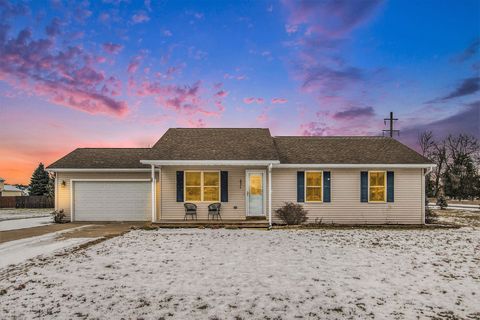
{"x": 202, "y": 187}
{"x": 385, "y": 187}
{"x": 305, "y": 186}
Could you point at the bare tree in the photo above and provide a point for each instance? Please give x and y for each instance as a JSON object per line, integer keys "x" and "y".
{"x": 427, "y": 143}
{"x": 463, "y": 145}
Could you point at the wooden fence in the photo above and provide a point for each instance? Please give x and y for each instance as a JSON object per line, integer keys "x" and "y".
{"x": 26, "y": 202}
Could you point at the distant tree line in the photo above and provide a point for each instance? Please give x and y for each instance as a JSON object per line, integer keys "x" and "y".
{"x": 457, "y": 172}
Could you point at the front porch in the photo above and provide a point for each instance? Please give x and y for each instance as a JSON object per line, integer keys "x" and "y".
{"x": 243, "y": 189}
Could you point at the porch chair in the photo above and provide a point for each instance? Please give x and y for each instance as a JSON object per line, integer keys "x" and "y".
{"x": 214, "y": 211}
{"x": 190, "y": 210}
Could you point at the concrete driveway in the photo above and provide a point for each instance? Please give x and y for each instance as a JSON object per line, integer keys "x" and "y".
{"x": 20, "y": 245}
{"x": 89, "y": 230}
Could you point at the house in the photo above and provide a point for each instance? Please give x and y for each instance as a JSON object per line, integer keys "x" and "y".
{"x": 7, "y": 190}
{"x": 344, "y": 180}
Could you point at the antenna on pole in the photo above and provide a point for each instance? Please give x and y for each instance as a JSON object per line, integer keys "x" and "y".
{"x": 390, "y": 131}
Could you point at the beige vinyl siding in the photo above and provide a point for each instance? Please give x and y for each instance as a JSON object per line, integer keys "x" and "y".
{"x": 173, "y": 210}
{"x": 62, "y": 197}
{"x": 345, "y": 206}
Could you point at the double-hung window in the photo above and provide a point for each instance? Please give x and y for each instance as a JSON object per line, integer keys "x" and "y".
{"x": 377, "y": 186}
{"x": 313, "y": 186}
{"x": 202, "y": 186}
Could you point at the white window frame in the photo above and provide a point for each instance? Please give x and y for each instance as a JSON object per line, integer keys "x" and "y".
{"x": 305, "y": 186}
{"x": 385, "y": 188}
{"x": 202, "y": 186}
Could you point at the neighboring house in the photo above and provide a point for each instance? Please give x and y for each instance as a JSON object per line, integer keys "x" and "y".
{"x": 7, "y": 190}
{"x": 345, "y": 180}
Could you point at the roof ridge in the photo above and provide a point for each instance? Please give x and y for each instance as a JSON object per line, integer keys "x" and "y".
{"x": 222, "y": 128}
{"x": 334, "y": 137}
{"x": 124, "y": 148}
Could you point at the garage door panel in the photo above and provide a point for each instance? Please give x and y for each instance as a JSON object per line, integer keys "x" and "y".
{"x": 112, "y": 200}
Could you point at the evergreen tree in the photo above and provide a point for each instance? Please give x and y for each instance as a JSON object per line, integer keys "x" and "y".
{"x": 51, "y": 186}
{"x": 39, "y": 181}
{"x": 461, "y": 178}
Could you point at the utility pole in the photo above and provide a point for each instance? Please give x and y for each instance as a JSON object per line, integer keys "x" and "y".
{"x": 390, "y": 131}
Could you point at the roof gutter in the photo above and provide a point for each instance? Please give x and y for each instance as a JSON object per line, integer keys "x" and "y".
{"x": 353, "y": 165}
{"x": 210, "y": 162}
{"x": 98, "y": 170}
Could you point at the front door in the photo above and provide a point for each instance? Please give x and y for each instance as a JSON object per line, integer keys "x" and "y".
{"x": 255, "y": 193}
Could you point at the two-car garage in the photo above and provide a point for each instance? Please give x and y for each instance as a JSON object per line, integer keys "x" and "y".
{"x": 111, "y": 200}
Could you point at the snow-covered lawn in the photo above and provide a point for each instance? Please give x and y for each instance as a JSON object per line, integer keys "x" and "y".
{"x": 244, "y": 274}
{"x": 25, "y": 223}
{"x": 13, "y": 214}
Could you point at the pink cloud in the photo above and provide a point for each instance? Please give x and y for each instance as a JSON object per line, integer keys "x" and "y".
{"x": 222, "y": 94}
{"x": 140, "y": 17}
{"x": 134, "y": 64}
{"x": 112, "y": 48}
{"x": 167, "y": 33}
{"x": 238, "y": 77}
{"x": 330, "y": 17}
{"x": 53, "y": 29}
{"x": 185, "y": 100}
{"x": 251, "y": 100}
{"x": 197, "y": 123}
{"x": 279, "y": 100}
{"x": 354, "y": 112}
{"x": 66, "y": 77}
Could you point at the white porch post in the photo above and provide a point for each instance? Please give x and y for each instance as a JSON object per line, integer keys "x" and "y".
{"x": 270, "y": 195}
{"x": 154, "y": 193}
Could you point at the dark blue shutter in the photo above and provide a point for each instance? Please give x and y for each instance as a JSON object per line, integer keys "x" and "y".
{"x": 300, "y": 186}
{"x": 179, "y": 186}
{"x": 390, "y": 186}
{"x": 224, "y": 186}
{"x": 364, "y": 186}
{"x": 326, "y": 186}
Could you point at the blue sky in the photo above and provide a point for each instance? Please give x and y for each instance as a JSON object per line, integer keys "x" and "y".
{"x": 119, "y": 73}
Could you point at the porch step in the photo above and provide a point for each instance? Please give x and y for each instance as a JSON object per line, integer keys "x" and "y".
{"x": 211, "y": 224}
{"x": 260, "y": 218}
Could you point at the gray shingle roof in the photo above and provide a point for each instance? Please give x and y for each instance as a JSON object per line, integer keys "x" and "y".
{"x": 346, "y": 150}
{"x": 102, "y": 158}
{"x": 215, "y": 144}
{"x": 245, "y": 144}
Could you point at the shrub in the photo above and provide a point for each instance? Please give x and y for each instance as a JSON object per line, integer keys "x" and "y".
{"x": 291, "y": 213}
{"x": 442, "y": 202}
{"x": 59, "y": 217}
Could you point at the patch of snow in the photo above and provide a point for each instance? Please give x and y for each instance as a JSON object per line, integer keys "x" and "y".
{"x": 281, "y": 274}
{"x": 12, "y": 214}
{"x": 25, "y": 223}
{"x": 14, "y": 252}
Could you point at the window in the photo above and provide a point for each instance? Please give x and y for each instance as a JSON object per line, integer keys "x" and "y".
{"x": 202, "y": 186}
{"x": 313, "y": 186}
{"x": 377, "y": 186}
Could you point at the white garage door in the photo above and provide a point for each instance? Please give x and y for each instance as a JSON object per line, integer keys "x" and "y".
{"x": 112, "y": 200}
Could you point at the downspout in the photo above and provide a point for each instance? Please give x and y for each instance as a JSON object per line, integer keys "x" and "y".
{"x": 270, "y": 195}
{"x": 154, "y": 207}
{"x": 424, "y": 193}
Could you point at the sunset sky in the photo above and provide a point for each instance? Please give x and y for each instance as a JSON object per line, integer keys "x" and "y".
{"x": 119, "y": 73}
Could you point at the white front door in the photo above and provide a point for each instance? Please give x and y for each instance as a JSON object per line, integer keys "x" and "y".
{"x": 255, "y": 189}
